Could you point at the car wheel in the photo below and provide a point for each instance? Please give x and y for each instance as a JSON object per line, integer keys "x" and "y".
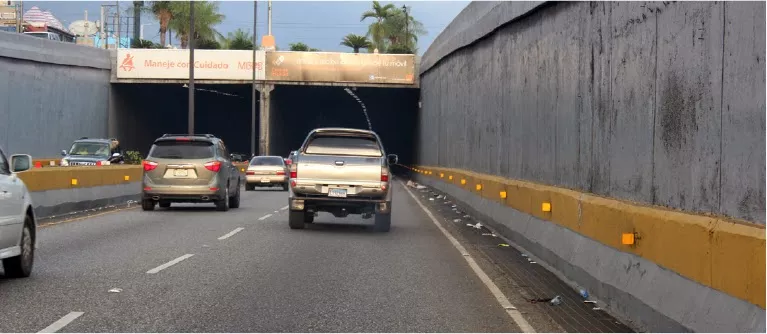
{"x": 383, "y": 222}
{"x": 223, "y": 203}
{"x": 285, "y": 187}
{"x": 250, "y": 187}
{"x": 21, "y": 265}
{"x": 234, "y": 202}
{"x": 296, "y": 220}
{"x": 147, "y": 204}
{"x": 164, "y": 204}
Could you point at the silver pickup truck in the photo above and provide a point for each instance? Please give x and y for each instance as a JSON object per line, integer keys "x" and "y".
{"x": 341, "y": 171}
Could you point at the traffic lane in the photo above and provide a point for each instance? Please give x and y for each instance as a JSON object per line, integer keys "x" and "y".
{"x": 330, "y": 277}
{"x": 78, "y": 262}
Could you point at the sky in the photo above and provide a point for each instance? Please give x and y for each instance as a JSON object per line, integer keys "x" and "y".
{"x": 319, "y": 24}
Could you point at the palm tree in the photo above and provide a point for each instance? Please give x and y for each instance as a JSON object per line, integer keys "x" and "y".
{"x": 162, "y": 11}
{"x": 377, "y": 30}
{"x": 206, "y": 16}
{"x": 238, "y": 40}
{"x": 142, "y": 44}
{"x": 403, "y": 29}
{"x": 298, "y": 46}
{"x": 356, "y": 42}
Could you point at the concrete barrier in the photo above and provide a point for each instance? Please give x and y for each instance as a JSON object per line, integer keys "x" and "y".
{"x": 663, "y": 270}
{"x": 65, "y": 190}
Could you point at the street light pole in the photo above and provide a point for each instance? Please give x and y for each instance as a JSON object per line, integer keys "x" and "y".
{"x": 254, "y": 91}
{"x": 407, "y": 28}
{"x": 191, "y": 68}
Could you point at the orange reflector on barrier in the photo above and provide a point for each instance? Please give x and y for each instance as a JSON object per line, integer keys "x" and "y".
{"x": 627, "y": 238}
{"x": 479, "y": 187}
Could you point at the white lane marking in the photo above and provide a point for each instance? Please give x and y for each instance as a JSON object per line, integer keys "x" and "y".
{"x": 264, "y": 217}
{"x": 235, "y": 231}
{"x": 512, "y": 311}
{"x": 59, "y": 324}
{"x": 284, "y": 208}
{"x": 177, "y": 260}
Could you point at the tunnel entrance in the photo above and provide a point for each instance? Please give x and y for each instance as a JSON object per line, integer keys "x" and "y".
{"x": 143, "y": 112}
{"x": 296, "y": 110}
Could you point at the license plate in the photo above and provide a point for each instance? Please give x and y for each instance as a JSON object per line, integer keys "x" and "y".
{"x": 180, "y": 172}
{"x": 264, "y": 180}
{"x": 337, "y": 192}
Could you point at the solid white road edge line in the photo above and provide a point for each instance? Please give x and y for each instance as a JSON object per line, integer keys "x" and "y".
{"x": 59, "y": 324}
{"x": 177, "y": 260}
{"x": 512, "y": 311}
{"x": 264, "y": 217}
{"x": 284, "y": 208}
{"x": 231, "y": 233}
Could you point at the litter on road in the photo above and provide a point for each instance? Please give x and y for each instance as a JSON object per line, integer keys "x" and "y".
{"x": 115, "y": 290}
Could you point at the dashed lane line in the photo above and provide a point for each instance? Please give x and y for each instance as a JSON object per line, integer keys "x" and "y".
{"x": 61, "y": 323}
{"x": 166, "y": 265}
{"x": 284, "y": 208}
{"x": 235, "y": 231}
{"x": 264, "y": 217}
{"x": 512, "y": 311}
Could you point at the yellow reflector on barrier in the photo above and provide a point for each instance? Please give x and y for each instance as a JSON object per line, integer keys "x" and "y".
{"x": 441, "y": 175}
{"x": 74, "y": 182}
{"x": 126, "y": 177}
{"x": 546, "y": 207}
{"x": 479, "y": 187}
{"x": 450, "y": 177}
{"x": 503, "y": 194}
{"x": 463, "y": 181}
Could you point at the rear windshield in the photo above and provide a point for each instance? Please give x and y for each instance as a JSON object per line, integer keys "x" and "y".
{"x": 266, "y": 161}
{"x": 341, "y": 145}
{"x": 182, "y": 150}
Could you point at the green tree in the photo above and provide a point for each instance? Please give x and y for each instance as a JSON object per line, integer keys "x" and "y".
{"x": 298, "y": 46}
{"x": 206, "y": 16}
{"x": 377, "y": 30}
{"x": 238, "y": 40}
{"x": 207, "y": 44}
{"x": 164, "y": 14}
{"x": 314, "y": 50}
{"x": 403, "y": 29}
{"x": 143, "y": 44}
{"x": 356, "y": 42}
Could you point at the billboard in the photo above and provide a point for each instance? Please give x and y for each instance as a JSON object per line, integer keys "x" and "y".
{"x": 340, "y": 67}
{"x": 174, "y": 64}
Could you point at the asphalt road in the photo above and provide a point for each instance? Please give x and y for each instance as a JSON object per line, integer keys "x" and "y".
{"x": 244, "y": 271}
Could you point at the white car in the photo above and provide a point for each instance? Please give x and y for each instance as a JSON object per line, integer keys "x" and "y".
{"x": 17, "y": 218}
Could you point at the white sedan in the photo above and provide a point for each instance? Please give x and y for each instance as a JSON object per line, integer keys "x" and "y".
{"x": 17, "y": 218}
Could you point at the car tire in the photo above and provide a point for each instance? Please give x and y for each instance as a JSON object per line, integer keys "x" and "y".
{"x": 147, "y": 204}
{"x": 309, "y": 217}
{"x": 285, "y": 187}
{"x": 223, "y": 203}
{"x": 383, "y": 222}
{"x": 234, "y": 201}
{"x": 21, "y": 266}
{"x": 296, "y": 220}
{"x": 250, "y": 187}
{"x": 164, "y": 204}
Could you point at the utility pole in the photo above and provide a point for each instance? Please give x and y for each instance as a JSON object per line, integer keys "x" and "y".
{"x": 191, "y": 68}
{"x": 255, "y": 92}
{"x": 269, "y": 19}
{"x": 117, "y": 11}
{"x": 20, "y": 18}
{"x": 407, "y": 28}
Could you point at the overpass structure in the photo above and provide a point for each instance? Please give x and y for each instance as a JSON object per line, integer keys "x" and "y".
{"x": 618, "y": 145}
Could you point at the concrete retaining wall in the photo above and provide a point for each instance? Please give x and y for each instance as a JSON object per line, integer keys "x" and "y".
{"x": 654, "y": 102}
{"x": 51, "y": 93}
{"x": 683, "y": 273}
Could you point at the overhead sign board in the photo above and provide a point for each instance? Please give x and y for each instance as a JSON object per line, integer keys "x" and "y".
{"x": 340, "y": 67}
{"x": 174, "y": 64}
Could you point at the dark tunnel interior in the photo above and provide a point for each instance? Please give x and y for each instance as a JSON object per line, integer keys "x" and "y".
{"x": 144, "y": 112}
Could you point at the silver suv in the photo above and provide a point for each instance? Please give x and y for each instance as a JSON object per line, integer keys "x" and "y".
{"x": 191, "y": 169}
{"x": 17, "y": 218}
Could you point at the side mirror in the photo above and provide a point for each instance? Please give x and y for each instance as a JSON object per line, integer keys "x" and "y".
{"x": 20, "y": 162}
{"x": 392, "y": 159}
{"x": 63, "y": 153}
{"x": 116, "y": 155}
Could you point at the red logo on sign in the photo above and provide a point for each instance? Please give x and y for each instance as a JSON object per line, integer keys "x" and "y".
{"x": 127, "y": 64}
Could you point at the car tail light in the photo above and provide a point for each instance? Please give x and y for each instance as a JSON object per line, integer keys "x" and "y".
{"x": 213, "y": 166}
{"x": 183, "y": 139}
{"x": 149, "y": 165}
{"x": 384, "y": 177}
{"x": 250, "y": 172}
{"x": 288, "y": 162}
{"x": 293, "y": 171}
{"x": 280, "y": 173}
